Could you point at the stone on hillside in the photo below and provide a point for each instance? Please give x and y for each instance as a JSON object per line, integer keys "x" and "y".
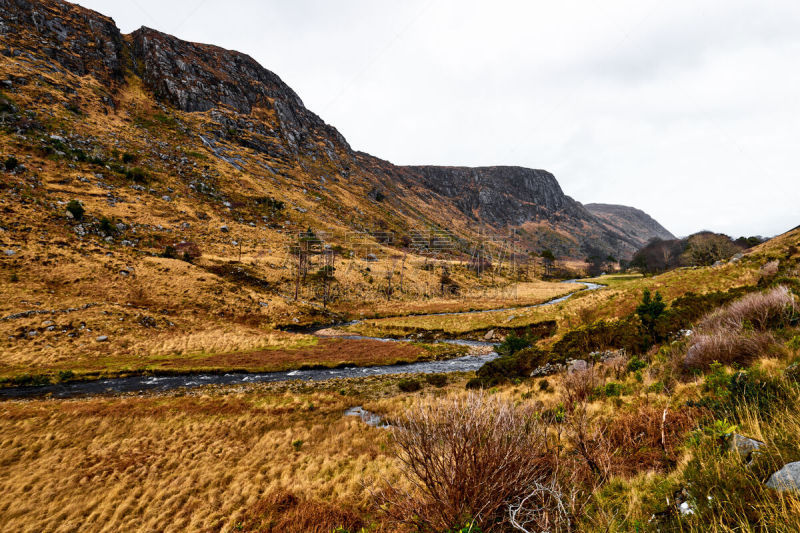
{"x": 372, "y": 258}
{"x": 787, "y": 478}
{"x": 744, "y": 446}
{"x": 223, "y": 228}
{"x": 102, "y": 338}
{"x": 489, "y": 335}
{"x": 576, "y": 365}
{"x": 9, "y": 252}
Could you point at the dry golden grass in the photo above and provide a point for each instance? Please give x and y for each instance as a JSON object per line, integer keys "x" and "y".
{"x": 619, "y": 299}
{"x": 200, "y": 461}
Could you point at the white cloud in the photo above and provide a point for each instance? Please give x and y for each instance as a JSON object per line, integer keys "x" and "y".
{"x": 688, "y": 110}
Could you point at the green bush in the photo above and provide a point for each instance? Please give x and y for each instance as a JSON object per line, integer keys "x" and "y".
{"x": 128, "y": 158}
{"x": 518, "y": 365}
{"x": 437, "y": 380}
{"x": 409, "y": 385}
{"x": 635, "y": 364}
{"x": 649, "y": 311}
{"x": 107, "y": 226}
{"x": 136, "y": 174}
{"x": 601, "y": 335}
{"x": 77, "y": 210}
{"x": 513, "y": 343}
{"x": 611, "y": 390}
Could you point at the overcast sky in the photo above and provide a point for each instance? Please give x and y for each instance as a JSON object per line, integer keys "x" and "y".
{"x": 687, "y": 109}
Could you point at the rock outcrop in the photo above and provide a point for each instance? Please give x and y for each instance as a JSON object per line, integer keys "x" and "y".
{"x": 201, "y": 77}
{"x": 78, "y": 40}
{"x": 500, "y": 195}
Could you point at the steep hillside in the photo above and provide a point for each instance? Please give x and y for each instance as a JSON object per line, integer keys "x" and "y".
{"x": 155, "y": 190}
{"x": 248, "y": 107}
{"x": 629, "y": 221}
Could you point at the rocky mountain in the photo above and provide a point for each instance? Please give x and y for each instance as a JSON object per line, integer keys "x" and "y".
{"x": 242, "y": 114}
{"x": 634, "y": 223}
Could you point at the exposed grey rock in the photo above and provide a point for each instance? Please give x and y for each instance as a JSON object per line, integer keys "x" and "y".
{"x": 371, "y": 258}
{"x": 9, "y": 252}
{"x": 787, "y": 478}
{"x": 546, "y": 370}
{"x": 102, "y": 338}
{"x": 744, "y": 446}
{"x": 576, "y": 365}
{"x": 223, "y": 228}
{"x": 489, "y": 335}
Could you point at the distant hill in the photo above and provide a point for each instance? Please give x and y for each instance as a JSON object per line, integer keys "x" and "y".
{"x": 629, "y": 221}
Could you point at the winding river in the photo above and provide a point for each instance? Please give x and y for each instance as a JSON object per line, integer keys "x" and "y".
{"x": 163, "y": 383}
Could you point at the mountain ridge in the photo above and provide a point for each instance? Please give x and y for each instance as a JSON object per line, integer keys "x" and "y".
{"x": 253, "y": 108}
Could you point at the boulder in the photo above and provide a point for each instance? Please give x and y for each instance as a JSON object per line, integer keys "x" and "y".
{"x": 787, "y": 478}
{"x": 576, "y": 365}
{"x": 489, "y": 335}
{"x": 744, "y": 446}
{"x": 102, "y": 338}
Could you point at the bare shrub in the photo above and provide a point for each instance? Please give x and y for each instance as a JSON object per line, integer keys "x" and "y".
{"x": 616, "y": 365}
{"x": 544, "y": 508}
{"x": 467, "y": 459}
{"x": 578, "y": 385}
{"x": 769, "y": 270}
{"x": 646, "y": 437}
{"x": 727, "y": 347}
{"x": 761, "y": 310}
{"x": 739, "y": 331}
{"x": 282, "y": 511}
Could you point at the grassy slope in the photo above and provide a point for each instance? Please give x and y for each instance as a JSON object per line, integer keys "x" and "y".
{"x": 152, "y": 308}
{"x": 155, "y": 462}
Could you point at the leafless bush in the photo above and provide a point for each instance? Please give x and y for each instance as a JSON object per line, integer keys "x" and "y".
{"x": 578, "y": 385}
{"x": 544, "y": 508}
{"x": 761, "y": 310}
{"x": 770, "y": 269}
{"x": 616, "y": 365}
{"x": 727, "y": 347}
{"x": 467, "y": 458}
{"x": 739, "y": 331}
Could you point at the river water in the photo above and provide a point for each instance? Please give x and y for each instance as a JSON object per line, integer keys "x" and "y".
{"x": 163, "y": 383}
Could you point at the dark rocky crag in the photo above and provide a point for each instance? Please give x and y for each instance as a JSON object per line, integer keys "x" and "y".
{"x": 240, "y": 95}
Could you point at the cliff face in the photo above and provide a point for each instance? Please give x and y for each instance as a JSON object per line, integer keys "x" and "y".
{"x": 500, "y": 195}
{"x": 200, "y": 77}
{"x": 246, "y": 106}
{"x": 77, "y": 39}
